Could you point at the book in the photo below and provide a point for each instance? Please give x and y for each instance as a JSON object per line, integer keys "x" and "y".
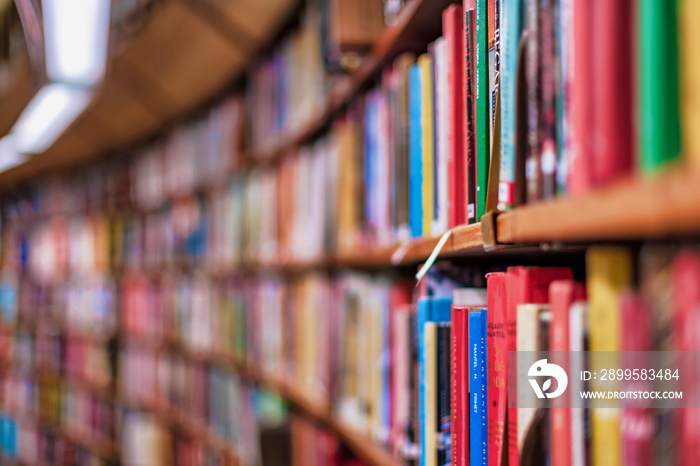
{"x": 613, "y": 157}
{"x": 469, "y": 107}
{"x": 494, "y": 51}
{"x": 463, "y": 300}
{"x": 690, "y": 80}
{"x": 609, "y": 273}
{"x": 430, "y": 309}
{"x": 549, "y": 123}
{"x": 562, "y": 296}
{"x": 535, "y": 149}
{"x": 482, "y": 104}
{"x": 415, "y": 131}
{"x": 444, "y": 418}
{"x": 441, "y": 124}
{"x": 497, "y": 359}
{"x": 425, "y": 65}
{"x": 477, "y": 455}
{"x": 658, "y": 84}
{"x": 430, "y": 392}
{"x": 510, "y": 45}
{"x": 526, "y": 285}
{"x": 578, "y": 343}
{"x": 453, "y": 32}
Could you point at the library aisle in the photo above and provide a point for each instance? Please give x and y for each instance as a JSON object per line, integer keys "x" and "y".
{"x": 349, "y": 232}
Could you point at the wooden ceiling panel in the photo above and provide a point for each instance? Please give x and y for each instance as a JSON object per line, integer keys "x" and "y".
{"x": 269, "y": 15}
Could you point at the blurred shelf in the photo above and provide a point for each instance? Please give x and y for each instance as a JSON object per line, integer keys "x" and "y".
{"x": 190, "y": 426}
{"x": 185, "y": 54}
{"x": 657, "y": 207}
{"x": 418, "y": 23}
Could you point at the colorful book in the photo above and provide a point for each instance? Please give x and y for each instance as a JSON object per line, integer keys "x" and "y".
{"x": 430, "y": 394}
{"x": 441, "y": 187}
{"x": 497, "y": 358}
{"x": 510, "y": 44}
{"x": 463, "y": 300}
{"x": 469, "y": 106}
{"x": 526, "y": 285}
{"x": 494, "y": 50}
{"x": 659, "y": 119}
{"x": 430, "y": 309}
{"x": 609, "y": 272}
{"x": 444, "y": 419}
{"x": 482, "y": 101}
{"x": 612, "y": 92}
{"x": 453, "y": 32}
{"x": 562, "y": 295}
{"x": 533, "y": 162}
{"x": 415, "y": 151}
{"x": 477, "y": 456}
{"x": 425, "y": 64}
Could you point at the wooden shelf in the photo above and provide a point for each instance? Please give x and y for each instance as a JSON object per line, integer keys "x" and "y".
{"x": 664, "y": 206}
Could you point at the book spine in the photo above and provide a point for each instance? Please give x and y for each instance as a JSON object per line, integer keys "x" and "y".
{"x": 690, "y": 79}
{"x": 579, "y": 164}
{"x": 548, "y": 99}
{"x": 482, "y": 104}
{"x": 425, "y": 63}
{"x": 659, "y": 142}
{"x": 612, "y": 120}
{"x": 415, "y": 198}
{"x": 441, "y": 191}
{"x": 609, "y": 273}
{"x": 533, "y": 171}
{"x": 494, "y": 42}
{"x": 497, "y": 359}
{"x": 469, "y": 115}
{"x": 453, "y": 30}
{"x": 475, "y": 388}
{"x": 483, "y": 397}
{"x": 458, "y": 382}
{"x": 510, "y": 32}
{"x": 443, "y": 395}
{"x": 429, "y": 394}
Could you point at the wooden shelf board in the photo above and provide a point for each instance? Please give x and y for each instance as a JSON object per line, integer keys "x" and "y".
{"x": 667, "y": 205}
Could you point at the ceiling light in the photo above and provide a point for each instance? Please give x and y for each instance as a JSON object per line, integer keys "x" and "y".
{"x": 75, "y": 37}
{"x": 49, "y": 113}
{"x": 9, "y": 156}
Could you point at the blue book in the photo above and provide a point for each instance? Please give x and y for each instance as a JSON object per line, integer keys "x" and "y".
{"x": 476, "y": 393}
{"x": 8, "y": 437}
{"x": 484, "y": 393}
{"x": 415, "y": 153}
{"x": 429, "y": 310}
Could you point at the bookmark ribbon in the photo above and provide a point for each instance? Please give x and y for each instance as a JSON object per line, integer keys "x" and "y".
{"x": 433, "y": 255}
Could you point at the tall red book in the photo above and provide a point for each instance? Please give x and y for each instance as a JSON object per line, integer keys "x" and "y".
{"x": 463, "y": 299}
{"x": 686, "y": 332}
{"x": 637, "y": 421}
{"x": 562, "y": 294}
{"x": 469, "y": 108}
{"x": 526, "y": 285}
{"x": 612, "y": 145}
{"x": 579, "y": 163}
{"x": 497, "y": 361}
{"x": 453, "y": 33}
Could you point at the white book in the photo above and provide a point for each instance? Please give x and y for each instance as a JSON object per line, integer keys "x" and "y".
{"x": 440, "y": 221}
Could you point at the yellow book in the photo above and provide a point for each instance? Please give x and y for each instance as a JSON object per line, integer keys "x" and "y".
{"x": 425, "y": 63}
{"x": 430, "y": 393}
{"x": 609, "y": 274}
{"x": 688, "y": 13}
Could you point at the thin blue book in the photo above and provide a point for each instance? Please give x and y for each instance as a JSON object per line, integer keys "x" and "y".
{"x": 415, "y": 153}
{"x": 8, "y": 437}
{"x": 484, "y": 393}
{"x": 430, "y": 309}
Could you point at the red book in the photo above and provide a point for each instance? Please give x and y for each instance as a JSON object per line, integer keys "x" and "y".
{"x": 612, "y": 139}
{"x": 497, "y": 359}
{"x": 637, "y": 421}
{"x": 562, "y": 294}
{"x": 468, "y": 108}
{"x": 686, "y": 333}
{"x": 463, "y": 299}
{"x": 526, "y": 285}
{"x": 580, "y": 157}
{"x": 453, "y": 32}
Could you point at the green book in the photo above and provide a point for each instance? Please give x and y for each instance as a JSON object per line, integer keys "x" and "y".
{"x": 483, "y": 101}
{"x": 659, "y": 126}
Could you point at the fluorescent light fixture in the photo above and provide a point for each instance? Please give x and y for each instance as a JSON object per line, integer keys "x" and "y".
{"x": 9, "y": 156}
{"x": 49, "y": 113}
{"x": 75, "y": 37}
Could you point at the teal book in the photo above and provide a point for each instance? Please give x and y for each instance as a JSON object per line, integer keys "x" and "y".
{"x": 483, "y": 104}
{"x": 510, "y": 40}
{"x": 415, "y": 153}
{"x": 659, "y": 126}
{"x": 430, "y": 309}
